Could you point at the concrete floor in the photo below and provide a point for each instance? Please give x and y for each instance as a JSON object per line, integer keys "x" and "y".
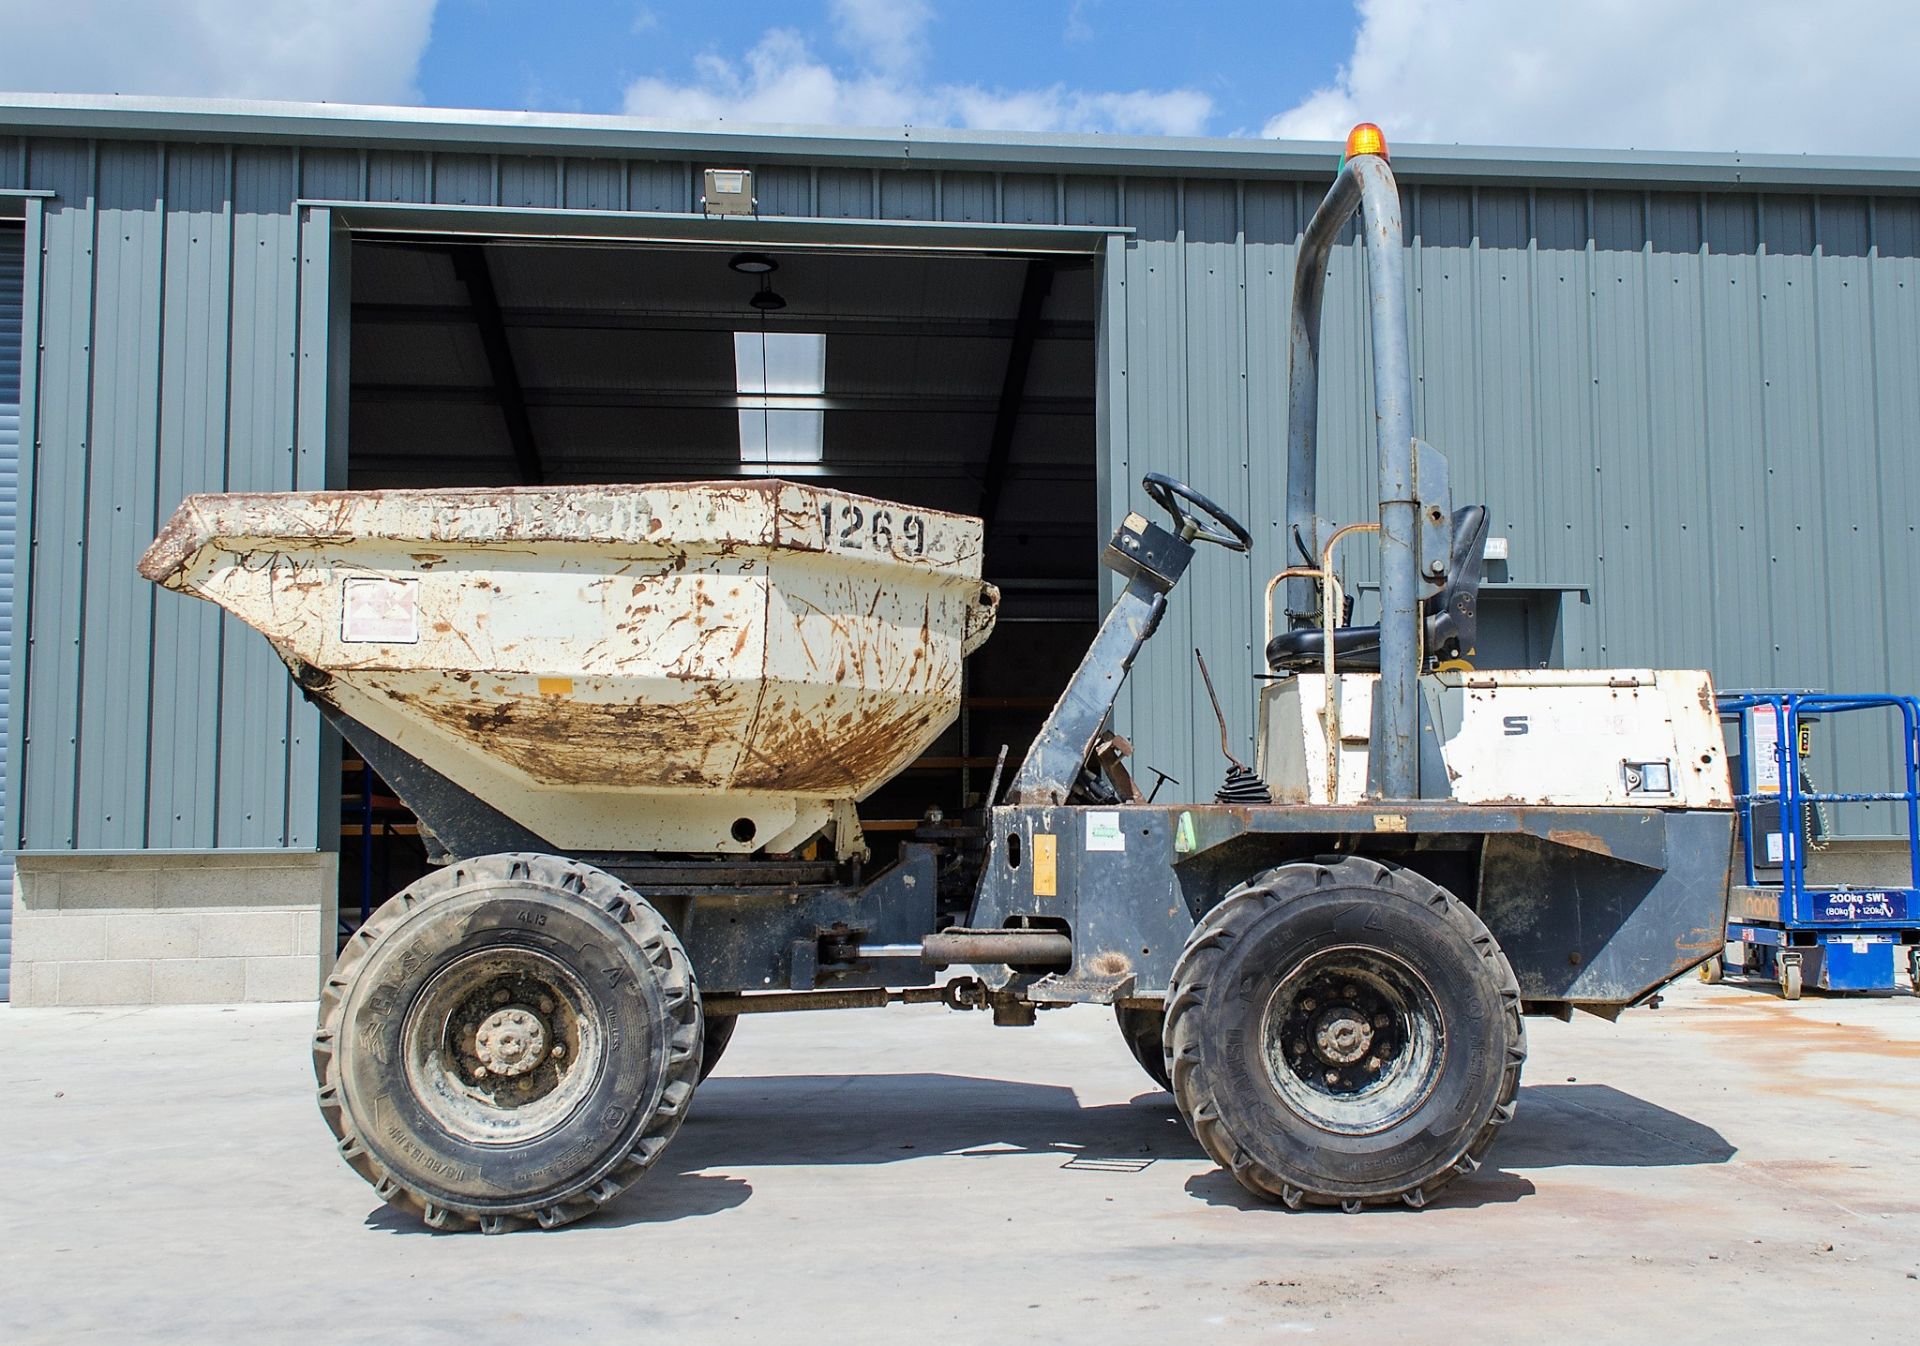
{"x": 1727, "y": 1167}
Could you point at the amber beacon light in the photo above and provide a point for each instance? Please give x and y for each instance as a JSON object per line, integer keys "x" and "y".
{"x": 1366, "y": 138}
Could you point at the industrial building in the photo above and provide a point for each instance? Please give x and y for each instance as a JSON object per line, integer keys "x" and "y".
{"x": 1687, "y": 386}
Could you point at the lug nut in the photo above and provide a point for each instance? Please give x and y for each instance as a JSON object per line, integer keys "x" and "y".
{"x": 546, "y": 1004}
{"x": 479, "y": 1072}
{"x": 500, "y": 997}
{"x": 559, "y": 1049}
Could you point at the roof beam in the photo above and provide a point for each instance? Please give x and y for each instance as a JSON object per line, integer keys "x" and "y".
{"x": 710, "y": 399}
{"x": 721, "y": 322}
{"x": 470, "y": 265}
{"x": 1013, "y": 387}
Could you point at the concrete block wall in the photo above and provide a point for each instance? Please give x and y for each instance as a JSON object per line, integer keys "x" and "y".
{"x": 172, "y": 928}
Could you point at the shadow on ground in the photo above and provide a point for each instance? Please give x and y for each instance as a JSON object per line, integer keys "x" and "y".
{"x": 878, "y": 1119}
{"x": 809, "y": 1120}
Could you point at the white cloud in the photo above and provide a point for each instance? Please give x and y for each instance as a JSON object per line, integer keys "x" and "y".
{"x": 1079, "y": 28}
{"x": 1754, "y": 75}
{"x": 782, "y": 80}
{"x": 365, "y": 51}
{"x": 889, "y": 35}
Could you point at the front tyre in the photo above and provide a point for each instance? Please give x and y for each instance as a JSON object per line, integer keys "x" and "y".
{"x": 1344, "y": 1032}
{"x": 514, "y": 1037}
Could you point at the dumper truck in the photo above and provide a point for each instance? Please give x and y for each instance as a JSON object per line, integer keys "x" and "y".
{"x": 637, "y": 723}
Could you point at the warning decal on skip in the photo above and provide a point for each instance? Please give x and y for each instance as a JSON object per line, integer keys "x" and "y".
{"x": 375, "y": 611}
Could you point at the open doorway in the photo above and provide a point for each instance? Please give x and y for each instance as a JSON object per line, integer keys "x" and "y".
{"x": 948, "y": 380}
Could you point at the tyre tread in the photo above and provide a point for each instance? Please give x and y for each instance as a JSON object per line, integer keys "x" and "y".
{"x": 1222, "y": 925}
{"x": 680, "y": 999}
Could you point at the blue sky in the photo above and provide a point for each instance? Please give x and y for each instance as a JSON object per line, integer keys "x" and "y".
{"x": 581, "y": 55}
{"x": 1780, "y": 76}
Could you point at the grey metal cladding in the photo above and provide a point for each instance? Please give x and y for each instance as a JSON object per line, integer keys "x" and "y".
{"x": 12, "y": 289}
{"x": 1692, "y": 399}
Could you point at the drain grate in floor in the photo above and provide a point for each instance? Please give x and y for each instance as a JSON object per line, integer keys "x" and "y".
{"x": 1086, "y": 1163}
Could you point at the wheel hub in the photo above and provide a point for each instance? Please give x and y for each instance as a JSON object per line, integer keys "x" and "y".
{"x": 511, "y": 1041}
{"x": 1353, "y": 1039}
{"x": 1342, "y": 1036}
{"x": 498, "y": 1047}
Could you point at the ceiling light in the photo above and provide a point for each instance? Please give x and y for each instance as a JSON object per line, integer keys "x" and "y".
{"x": 752, "y": 263}
{"x": 767, "y": 300}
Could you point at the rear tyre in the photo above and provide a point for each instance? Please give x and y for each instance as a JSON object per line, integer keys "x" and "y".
{"x": 512, "y": 1038}
{"x": 1789, "y": 981}
{"x": 713, "y": 1043}
{"x": 1144, "y": 1032}
{"x": 1344, "y": 1032}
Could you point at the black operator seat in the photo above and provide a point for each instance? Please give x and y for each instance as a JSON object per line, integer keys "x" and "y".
{"x": 1450, "y": 614}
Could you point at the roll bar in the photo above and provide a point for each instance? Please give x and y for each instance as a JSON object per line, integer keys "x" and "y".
{"x": 1365, "y": 184}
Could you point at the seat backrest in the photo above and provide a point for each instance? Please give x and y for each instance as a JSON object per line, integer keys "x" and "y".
{"x": 1453, "y": 613}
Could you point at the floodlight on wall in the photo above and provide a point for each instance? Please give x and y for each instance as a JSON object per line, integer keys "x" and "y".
{"x": 729, "y": 192}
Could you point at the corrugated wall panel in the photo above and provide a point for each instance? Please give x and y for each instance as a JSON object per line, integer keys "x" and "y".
{"x": 1091, "y": 201}
{"x": 458, "y": 180}
{"x": 1156, "y": 395}
{"x": 783, "y": 191}
{"x": 1789, "y": 401}
{"x": 12, "y": 289}
{"x": 1622, "y": 477}
{"x": 1270, "y": 222}
{"x": 1564, "y": 404}
{"x": 1893, "y": 467}
{"x": 1029, "y": 198}
{"x": 116, "y": 635}
{"x": 1843, "y": 517}
{"x": 656, "y": 186}
{"x": 58, "y": 530}
{"x": 335, "y": 175}
{"x": 966, "y": 196}
{"x": 394, "y": 175}
{"x": 529, "y": 181}
{"x": 596, "y": 184}
{"x": 182, "y": 756}
{"x": 1678, "y": 536}
{"x": 847, "y": 193}
{"x": 1735, "y": 434}
{"x": 906, "y": 194}
{"x": 250, "y": 809}
{"x": 1500, "y": 466}
{"x": 1213, "y": 292}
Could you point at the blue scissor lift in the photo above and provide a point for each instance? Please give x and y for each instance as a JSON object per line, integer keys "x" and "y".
{"x": 1780, "y": 927}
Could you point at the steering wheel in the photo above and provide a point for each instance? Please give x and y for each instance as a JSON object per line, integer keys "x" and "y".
{"x": 1174, "y": 497}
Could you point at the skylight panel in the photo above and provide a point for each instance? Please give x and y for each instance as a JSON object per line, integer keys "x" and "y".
{"x": 781, "y": 377}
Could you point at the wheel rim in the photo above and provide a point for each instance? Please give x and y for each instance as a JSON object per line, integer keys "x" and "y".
{"x": 502, "y": 1046}
{"x": 1353, "y": 1039}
